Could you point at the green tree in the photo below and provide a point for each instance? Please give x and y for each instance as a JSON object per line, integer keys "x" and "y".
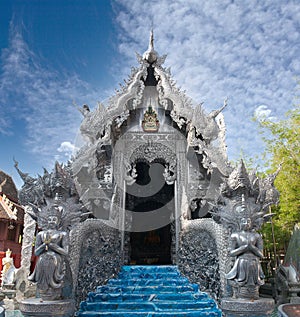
{"x": 283, "y": 147}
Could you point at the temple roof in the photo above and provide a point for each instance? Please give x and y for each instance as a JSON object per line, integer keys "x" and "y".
{"x": 8, "y": 187}
{"x": 9, "y": 208}
{"x": 152, "y": 82}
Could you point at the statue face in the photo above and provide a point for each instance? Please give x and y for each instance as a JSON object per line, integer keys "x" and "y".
{"x": 246, "y": 223}
{"x": 52, "y": 222}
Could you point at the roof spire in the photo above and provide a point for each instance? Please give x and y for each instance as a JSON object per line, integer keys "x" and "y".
{"x": 150, "y": 55}
{"x": 151, "y": 41}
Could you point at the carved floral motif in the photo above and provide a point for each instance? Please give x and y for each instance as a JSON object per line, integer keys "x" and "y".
{"x": 150, "y": 152}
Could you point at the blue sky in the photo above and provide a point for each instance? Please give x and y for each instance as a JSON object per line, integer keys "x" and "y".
{"x": 54, "y": 52}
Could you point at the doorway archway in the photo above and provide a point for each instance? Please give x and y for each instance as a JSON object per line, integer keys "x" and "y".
{"x": 153, "y": 246}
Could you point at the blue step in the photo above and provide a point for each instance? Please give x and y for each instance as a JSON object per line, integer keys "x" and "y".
{"x": 194, "y": 313}
{"x": 146, "y": 306}
{"x": 148, "y": 291}
{"x": 148, "y": 282}
{"x": 150, "y": 269}
{"x": 94, "y": 297}
{"x": 151, "y": 275}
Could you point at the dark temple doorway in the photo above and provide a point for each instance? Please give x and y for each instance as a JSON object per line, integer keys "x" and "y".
{"x": 150, "y": 193}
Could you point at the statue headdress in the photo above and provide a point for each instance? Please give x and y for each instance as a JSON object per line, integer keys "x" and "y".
{"x": 52, "y": 193}
{"x": 244, "y": 196}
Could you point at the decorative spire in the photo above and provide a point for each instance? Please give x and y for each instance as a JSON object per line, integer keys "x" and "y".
{"x": 151, "y": 41}
{"x": 239, "y": 178}
{"x": 150, "y": 55}
{"x": 25, "y": 176}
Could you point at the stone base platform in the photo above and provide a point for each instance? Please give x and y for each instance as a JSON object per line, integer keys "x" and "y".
{"x": 237, "y": 307}
{"x": 37, "y": 307}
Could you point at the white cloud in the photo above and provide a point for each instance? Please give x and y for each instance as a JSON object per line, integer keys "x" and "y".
{"x": 4, "y": 125}
{"x": 41, "y": 98}
{"x": 67, "y": 148}
{"x": 263, "y": 113}
{"x": 247, "y": 51}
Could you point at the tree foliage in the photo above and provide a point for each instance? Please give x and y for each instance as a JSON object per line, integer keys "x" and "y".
{"x": 283, "y": 147}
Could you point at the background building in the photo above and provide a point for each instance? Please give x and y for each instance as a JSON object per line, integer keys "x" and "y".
{"x": 11, "y": 220}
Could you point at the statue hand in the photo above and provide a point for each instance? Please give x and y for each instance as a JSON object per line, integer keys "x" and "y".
{"x": 40, "y": 249}
{"x": 252, "y": 247}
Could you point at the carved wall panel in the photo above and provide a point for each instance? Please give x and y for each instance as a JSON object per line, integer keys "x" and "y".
{"x": 203, "y": 254}
{"x": 95, "y": 256}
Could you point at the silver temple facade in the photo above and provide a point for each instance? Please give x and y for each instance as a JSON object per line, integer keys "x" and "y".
{"x": 151, "y": 184}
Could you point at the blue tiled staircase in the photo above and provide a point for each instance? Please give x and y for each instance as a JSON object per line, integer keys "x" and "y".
{"x": 156, "y": 291}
